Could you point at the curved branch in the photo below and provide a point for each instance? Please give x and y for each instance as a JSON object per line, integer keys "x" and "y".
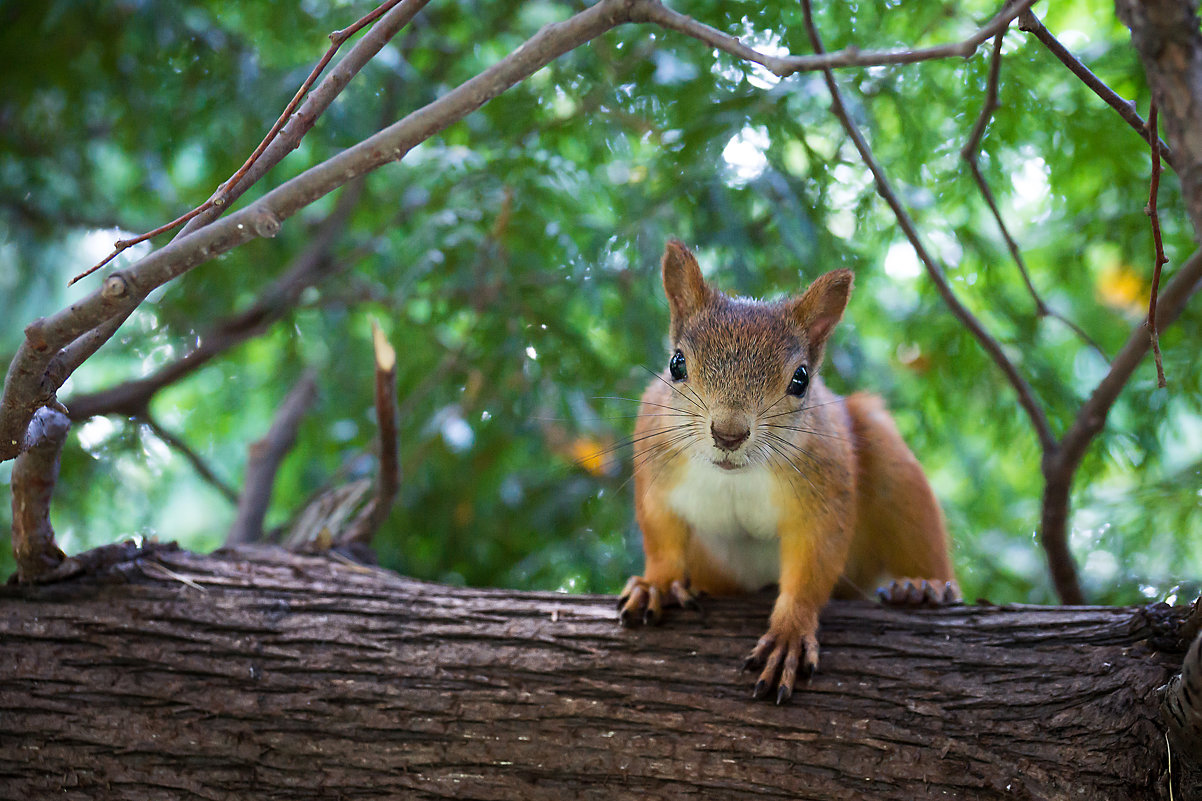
{"x": 784, "y": 66}
{"x": 970, "y": 153}
{"x": 34, "y": 476}
{"x": 31, "y": 382}
{"x": 1026, "y": 395}
{"x": 1027, "y": 21}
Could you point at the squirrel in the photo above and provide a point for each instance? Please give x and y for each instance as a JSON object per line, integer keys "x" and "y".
{"x": 750, "y": 472}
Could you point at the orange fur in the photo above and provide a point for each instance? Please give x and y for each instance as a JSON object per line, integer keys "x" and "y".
{"x": 740, "y": 481}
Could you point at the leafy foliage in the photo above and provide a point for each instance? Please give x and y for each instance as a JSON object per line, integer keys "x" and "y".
{"x": 513, "y": 261}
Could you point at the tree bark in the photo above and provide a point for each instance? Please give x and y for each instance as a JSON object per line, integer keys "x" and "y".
{"x": 258, "y": 674}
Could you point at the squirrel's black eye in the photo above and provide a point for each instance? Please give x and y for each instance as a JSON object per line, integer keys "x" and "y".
{"x": 800, "y": 382}
{"x": 676, "y": 367}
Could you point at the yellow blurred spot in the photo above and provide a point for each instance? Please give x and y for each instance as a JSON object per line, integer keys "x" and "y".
{"x": 592, "y": 455}
{"x": 1120, "y": 287}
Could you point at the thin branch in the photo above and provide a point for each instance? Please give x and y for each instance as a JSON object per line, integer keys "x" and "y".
{"x": 971, "y": 153}
{"x": 198, "y": 463}
{"x": 34, "y": 476}
{"x": 310, "y": 267}
{"x": 1027, "y": 21}
{"x": 1161, "y": 259}
{"x": 388, "y": 477}
{"x": 224, "y": 196}
{"x": 784, "y": 66}
{"x": 266, "y": 455}
{"x": 1026, "y": 395}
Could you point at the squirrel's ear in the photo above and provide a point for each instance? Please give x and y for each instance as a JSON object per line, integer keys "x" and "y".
{"x": 821, "y": 307}
{"x": 683, "y": 284}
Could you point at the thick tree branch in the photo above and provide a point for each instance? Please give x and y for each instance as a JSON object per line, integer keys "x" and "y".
{"x": 255, "y": 673}
{"x": 1181, "y": 709}
{"x": 265, "y": 457}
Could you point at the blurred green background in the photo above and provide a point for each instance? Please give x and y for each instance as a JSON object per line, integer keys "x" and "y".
{"x": 513, "y": 261}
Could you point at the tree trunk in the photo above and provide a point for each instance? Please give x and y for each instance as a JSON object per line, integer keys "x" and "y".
{"x": 259, "y": 674}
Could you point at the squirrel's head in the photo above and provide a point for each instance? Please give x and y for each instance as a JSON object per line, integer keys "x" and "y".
{"x": 744, "y": 361}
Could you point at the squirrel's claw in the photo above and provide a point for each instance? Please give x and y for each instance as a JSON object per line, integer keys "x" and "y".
{"x": 919, "y": 592}
{"x": 682, "y": 596}
{"x": 782, "y": 659}
{"x": 643, "y": 601}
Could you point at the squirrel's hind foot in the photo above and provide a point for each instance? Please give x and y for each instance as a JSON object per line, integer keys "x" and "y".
{"x": 919, "y": 592}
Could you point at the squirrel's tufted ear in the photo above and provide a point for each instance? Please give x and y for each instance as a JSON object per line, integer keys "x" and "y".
{"x": 683, "y": 284}
{"x": 821, "y": 307}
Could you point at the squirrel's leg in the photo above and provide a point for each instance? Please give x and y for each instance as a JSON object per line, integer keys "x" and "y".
{"x": 665, "y": 538}
{"x": 810, "y": 565}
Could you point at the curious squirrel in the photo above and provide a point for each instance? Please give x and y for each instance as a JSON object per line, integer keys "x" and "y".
{"x": 749, "y": 472}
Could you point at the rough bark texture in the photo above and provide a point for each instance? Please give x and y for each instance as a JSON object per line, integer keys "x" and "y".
{"x": 254, "y": 674}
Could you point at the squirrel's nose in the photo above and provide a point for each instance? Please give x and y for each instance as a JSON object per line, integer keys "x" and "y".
{"x": 729, "y": 439}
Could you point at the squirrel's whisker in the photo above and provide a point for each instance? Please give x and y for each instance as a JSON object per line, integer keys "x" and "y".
{"x": 696, "y": 401}
{"x": 685, "y": 412}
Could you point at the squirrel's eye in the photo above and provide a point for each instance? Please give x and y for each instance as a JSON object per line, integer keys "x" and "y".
{"x": 800, "y": 382}
{"x": 676, "y": 367}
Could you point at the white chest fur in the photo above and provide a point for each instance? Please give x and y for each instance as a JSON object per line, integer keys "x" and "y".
{"x": 734, "y": 514}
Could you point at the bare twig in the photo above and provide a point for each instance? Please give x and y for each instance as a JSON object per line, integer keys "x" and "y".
{"x": 34, "y": 475}
{"x": 970, "y": 153}
{"x": 1027, "y": 21}
{"x": 198, "y": 464}
{"x": 1161, "y": 259}
{"x": 223, "y": 196}
{"x": 784, "y": 66}
{"x": 265, "y": 457}
{"x": 388, "y": 477}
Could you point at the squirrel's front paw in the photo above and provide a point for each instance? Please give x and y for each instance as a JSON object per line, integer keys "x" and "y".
{"x": 782, "y": 655}
{"x": 642, "y": 600}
